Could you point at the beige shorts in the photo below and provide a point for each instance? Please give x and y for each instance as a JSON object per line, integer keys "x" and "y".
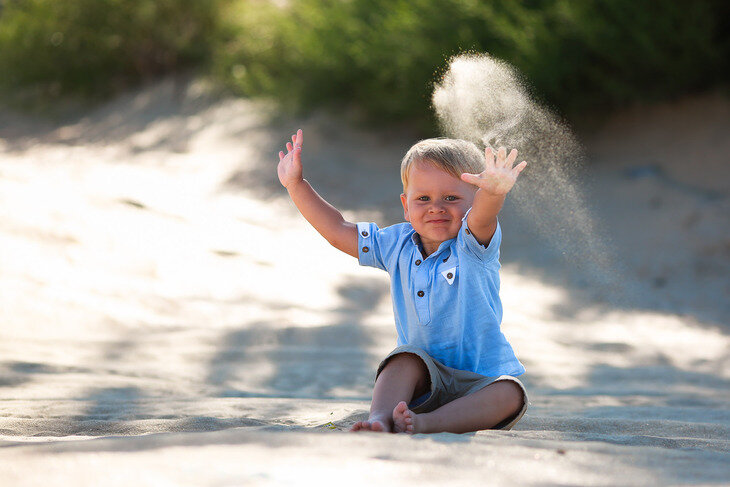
{"x": 448, "y": 384}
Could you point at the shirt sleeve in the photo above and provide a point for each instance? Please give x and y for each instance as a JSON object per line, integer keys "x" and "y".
{"x": 368, "y": 246}
{"x": 379, "y": 247}
{"x": 468, "y": 244}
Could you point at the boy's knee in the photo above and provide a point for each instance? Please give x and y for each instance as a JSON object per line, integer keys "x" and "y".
{"x": 407, "y": 360}
{"x": 413, "y": 364}
{"x": 511, "y": 395}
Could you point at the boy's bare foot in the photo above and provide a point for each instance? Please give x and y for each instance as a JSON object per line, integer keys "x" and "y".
{"x": 372, "y": 424}
{"x": 405, "y": 420}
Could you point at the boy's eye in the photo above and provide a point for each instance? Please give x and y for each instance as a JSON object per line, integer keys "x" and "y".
{"x": 423, "y": 198}
{"x": 450, "y": 198}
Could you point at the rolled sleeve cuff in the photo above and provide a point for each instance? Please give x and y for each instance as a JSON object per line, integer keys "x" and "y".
{"x": 468, "y": 241}
{"x": 366, "y": 251}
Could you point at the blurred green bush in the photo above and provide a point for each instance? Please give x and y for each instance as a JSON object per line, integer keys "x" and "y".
{"x": 94, "y": 47}
{"x": 380, "y": 57}
{"x": 376, "y": 58}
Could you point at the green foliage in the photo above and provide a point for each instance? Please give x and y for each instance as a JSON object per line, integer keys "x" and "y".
{"x": 93, "y": 47}
{"x": 381, "y": 56}
{"x": 375, "y": 57}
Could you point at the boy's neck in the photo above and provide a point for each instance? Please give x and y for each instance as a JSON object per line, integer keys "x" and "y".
{"x": 425, "y": 252}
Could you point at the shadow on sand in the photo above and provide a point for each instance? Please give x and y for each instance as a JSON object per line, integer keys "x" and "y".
{"x": 337, "y": 355}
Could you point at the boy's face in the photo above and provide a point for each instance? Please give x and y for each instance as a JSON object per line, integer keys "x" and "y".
{"x": 434, "y": 203}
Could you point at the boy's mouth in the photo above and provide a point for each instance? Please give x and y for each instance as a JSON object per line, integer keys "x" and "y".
{"x": 437, "y": 221}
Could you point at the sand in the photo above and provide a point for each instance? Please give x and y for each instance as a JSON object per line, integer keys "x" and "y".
{"x": 168, "y": 318}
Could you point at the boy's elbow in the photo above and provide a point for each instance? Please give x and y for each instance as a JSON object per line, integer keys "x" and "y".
{"x": 344, "y": 246}
{"x": 345, "y": 239}
{"x": 334, "y": 241}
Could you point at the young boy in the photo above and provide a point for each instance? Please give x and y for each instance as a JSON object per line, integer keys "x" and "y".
{"x": 453, "y": 370}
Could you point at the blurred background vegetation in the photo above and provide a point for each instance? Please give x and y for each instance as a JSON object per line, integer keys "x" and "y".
{"x": 377, "y": 59}
{"x": 91, "y": 49}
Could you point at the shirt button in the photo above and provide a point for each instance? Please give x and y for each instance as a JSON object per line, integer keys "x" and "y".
{"x": 364, "y": 233}
{"x": 418, "y": 262}
{"x": 420, "y": 294}
{"x": 449, "y": 275}
{"x": 365, "y": 249}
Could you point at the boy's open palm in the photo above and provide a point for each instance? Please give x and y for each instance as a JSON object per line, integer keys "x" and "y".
{"x": 499, "y": 176}
{"x": 290, "y": 165}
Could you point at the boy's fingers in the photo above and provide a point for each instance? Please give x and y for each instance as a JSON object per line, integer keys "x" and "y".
{"x": 469, "y": 178}
{"x": 281, "y": 155}
{"x": 501, "y": 156}
{"x": 519, "y": 167}
{"x": 298, "y": 139}
{"x": 489, "y": 156}
{"x": 511, "y": 158}
{"x": 298, "y": 146}
{"x": 288, "y": 146}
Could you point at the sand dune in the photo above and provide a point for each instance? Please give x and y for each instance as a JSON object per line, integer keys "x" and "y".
{"x": 168, "y": 318}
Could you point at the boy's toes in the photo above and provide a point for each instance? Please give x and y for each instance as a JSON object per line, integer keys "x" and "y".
{"x": 404, "y": 420}
{"x": 377, "y": 426}
{"x": 374, "y": 425}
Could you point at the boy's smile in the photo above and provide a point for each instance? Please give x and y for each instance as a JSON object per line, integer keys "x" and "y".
{"x": 434, "y": 203}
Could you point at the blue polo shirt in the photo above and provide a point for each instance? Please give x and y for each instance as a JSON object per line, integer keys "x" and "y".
{"x": 447, "y": 303}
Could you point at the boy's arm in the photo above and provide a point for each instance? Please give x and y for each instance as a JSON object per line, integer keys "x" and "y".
{"x": 494, "y": 183}
{"x": 325, "y": 218}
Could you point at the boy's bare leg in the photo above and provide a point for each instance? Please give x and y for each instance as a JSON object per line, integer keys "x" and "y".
{"x": 478, "y": 411}
{"x": 403, "y": 377}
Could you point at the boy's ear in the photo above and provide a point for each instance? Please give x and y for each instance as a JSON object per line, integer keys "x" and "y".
{"x": 404, "y": 202}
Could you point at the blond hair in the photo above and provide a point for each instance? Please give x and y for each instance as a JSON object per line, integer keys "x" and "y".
{"x": 455, "y": 156}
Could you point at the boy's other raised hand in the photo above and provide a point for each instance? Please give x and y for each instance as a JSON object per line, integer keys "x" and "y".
{"x": 290, "y": 164}
{"x": 499, "y": 176}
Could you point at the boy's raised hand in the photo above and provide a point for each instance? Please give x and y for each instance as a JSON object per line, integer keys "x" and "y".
{"x": 290, "y": 165}
{"x": 499, "y": 176}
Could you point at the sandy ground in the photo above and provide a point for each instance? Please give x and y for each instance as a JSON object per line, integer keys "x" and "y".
{"x": 166, "y": 317}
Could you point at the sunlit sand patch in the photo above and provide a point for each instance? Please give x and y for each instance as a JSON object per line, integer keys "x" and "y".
{"x": 564, "y": 351}
{"x": 141, "y": 293}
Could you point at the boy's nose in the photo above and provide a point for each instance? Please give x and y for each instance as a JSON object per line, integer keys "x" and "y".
{"x": 436, "y": 208}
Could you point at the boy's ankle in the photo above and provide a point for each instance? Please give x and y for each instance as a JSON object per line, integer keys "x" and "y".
{"x": 386, "y": 419}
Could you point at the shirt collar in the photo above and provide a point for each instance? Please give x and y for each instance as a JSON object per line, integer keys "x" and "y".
{"x": 416, "y": 239}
